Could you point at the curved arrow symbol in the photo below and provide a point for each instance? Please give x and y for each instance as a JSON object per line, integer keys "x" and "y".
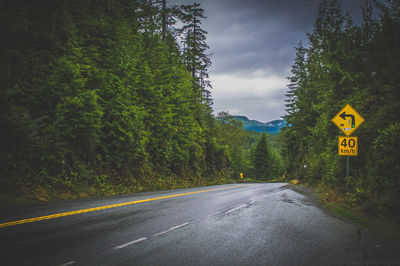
{"x": 353, "y": 120}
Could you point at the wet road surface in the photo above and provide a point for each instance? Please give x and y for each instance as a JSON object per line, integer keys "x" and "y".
{"x": 236, "y": 224}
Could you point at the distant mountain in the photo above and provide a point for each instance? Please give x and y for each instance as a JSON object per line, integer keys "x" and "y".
{"x": 272, "y": 127}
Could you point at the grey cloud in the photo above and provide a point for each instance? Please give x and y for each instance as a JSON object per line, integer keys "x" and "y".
{"x": 253, "y": 35}
{"x": 256, "y": 36}
{"x": 245, "y": 36}
{"x": 258, "y": 109}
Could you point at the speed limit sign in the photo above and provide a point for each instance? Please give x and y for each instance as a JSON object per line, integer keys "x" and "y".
{"x": 348, "y": 146}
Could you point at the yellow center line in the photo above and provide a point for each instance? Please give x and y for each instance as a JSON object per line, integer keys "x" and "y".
{"x": 47, "y": 217}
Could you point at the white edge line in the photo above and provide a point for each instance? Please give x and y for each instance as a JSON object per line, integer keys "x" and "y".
{"x": 171, "y": 229}
{"x": 235, "y": 209}
{"x": 68, "y": 263}
{"x": 215, "y": 213}
{"x": 131, "y": 243}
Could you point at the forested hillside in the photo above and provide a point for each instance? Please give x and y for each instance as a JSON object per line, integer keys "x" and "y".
{"x": 103, "y": 97}
{"x": 344, "y": 63}
{"x": 272, "y": 127}
{"x": 257, "y": 156}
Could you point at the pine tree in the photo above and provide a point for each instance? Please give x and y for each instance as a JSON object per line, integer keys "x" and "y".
{"x": 297, "y": 82}
{"x": 195, "y": 47}
{"x": 262, "y": 162}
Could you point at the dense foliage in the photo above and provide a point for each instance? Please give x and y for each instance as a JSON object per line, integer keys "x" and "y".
{"x": 102, "y": 97}
{"x": 262, "y": 158}
{"x": 359, "y": 65}
{"x": 257, "y": 156}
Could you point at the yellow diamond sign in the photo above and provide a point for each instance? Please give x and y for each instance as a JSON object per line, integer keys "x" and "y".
{"x": 348, "y": 120}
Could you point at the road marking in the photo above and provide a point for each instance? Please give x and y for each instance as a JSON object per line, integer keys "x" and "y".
{"x": 213, "y": 214}
{"x": 68, "y": 263}
{"x": 252, "y": 201}
{"x": 171, "y": 229}
{"x": 235, "y": 209}
{"x": 131, "y": 243}
{"x": 47, "y": 217}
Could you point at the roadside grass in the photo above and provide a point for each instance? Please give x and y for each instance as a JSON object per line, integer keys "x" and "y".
{"x": 380, "y": 226}
{"x": 343, "y": 205}
{"x": 336, "y": 201}
{"x": 49, "y": 192}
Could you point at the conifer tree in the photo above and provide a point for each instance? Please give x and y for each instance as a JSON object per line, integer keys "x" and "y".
{"x": 262, "y": 162}
{"x": 195, "y": 47}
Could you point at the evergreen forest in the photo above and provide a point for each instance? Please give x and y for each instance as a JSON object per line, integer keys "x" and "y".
{"x": 110, "y": 96}
{"x": 357, "y": 64}
{"x": 102, "y": 97}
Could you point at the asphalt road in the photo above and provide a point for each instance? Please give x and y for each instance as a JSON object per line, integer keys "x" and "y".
{"x": 240, "y": 224}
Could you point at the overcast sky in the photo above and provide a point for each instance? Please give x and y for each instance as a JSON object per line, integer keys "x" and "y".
{"x": 252, "y": 45}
